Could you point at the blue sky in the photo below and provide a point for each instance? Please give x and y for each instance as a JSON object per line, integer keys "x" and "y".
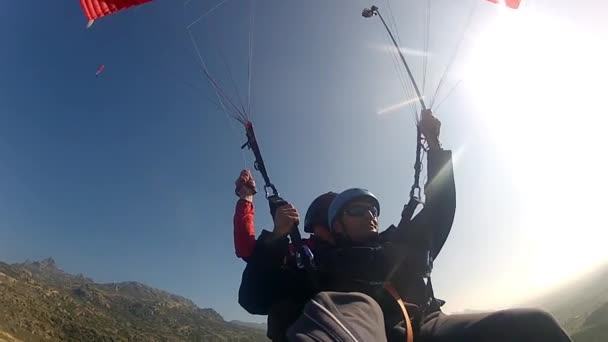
{"x": 130, "y": 176}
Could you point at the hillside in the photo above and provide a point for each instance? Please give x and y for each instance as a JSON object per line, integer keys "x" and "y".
{"x": 40, "y": 302}
{"x": 582, "y": 306}
{"x": 258, "y": 326}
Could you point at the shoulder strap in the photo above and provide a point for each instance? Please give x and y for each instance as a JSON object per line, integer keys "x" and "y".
{"x": 408, "y": 323}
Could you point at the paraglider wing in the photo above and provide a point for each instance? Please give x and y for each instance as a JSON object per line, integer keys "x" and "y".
{"x": 95, "y": 9}
{"x": 100, "y": 70}
{"x": 514, "y": 4}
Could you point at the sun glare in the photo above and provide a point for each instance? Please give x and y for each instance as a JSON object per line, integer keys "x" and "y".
{"x": 397, "y": 106}
{"x": 535, "y": 81}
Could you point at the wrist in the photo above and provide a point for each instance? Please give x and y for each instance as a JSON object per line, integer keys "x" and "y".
{"x": 248, "y": 198}
{"x": 279, "y": 233}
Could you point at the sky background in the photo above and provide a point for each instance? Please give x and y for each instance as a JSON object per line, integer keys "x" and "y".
{"x": 129, "y": 176}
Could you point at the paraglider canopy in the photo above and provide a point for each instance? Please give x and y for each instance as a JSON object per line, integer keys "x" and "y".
{"x": 95, "y": 9}
{"x": 100, "y": 69}
{"x": 509, "y": 3}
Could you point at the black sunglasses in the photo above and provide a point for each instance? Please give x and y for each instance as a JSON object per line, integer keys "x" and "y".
{"x": 361, "y": 210}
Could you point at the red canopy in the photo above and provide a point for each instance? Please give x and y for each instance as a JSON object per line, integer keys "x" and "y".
{"x": 509, "y": 3}
{"x": 95, "y": 9}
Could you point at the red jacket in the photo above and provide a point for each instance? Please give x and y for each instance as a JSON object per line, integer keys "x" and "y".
{"x": 244, "y": 229}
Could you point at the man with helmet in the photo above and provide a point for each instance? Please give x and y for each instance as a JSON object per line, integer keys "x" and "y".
{"x": 392, "y": 270}
{"x": 366, "y": 262}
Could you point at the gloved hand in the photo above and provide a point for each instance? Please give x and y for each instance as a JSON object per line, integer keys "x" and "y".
{"x": 430, "y": 127}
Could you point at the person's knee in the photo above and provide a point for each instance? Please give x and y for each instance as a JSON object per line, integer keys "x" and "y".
{"x": 534, "y": 317}
{"x": 537, "y": 324}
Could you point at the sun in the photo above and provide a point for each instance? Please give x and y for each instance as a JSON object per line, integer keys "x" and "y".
{"x": 535, "y": 81}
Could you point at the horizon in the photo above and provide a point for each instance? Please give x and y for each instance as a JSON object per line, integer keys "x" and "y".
{"x": 537, "y": 301}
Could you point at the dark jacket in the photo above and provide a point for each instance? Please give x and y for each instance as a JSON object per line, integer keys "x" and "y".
{"x": 273, "y": 285}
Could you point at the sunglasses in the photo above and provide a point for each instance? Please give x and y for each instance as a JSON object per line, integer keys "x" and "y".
{"x": 361, "y": 210}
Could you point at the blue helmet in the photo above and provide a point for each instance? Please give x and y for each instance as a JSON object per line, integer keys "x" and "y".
{"x": 317, "y": 211}
{"x": 346, "y": 197}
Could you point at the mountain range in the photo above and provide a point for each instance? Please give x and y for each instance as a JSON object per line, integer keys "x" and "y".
{"x": 40, "y": 302}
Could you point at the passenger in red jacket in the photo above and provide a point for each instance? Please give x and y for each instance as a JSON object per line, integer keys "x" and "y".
{"x": 244, "y": 213}
{"x": 272, "y": 283}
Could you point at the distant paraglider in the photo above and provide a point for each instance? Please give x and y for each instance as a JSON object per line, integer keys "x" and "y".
{"x": 95, "y": 9}
{"x": 100, "y": 69}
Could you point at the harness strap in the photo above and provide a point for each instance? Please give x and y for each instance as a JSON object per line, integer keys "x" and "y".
{"x": 408, "y": 323}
